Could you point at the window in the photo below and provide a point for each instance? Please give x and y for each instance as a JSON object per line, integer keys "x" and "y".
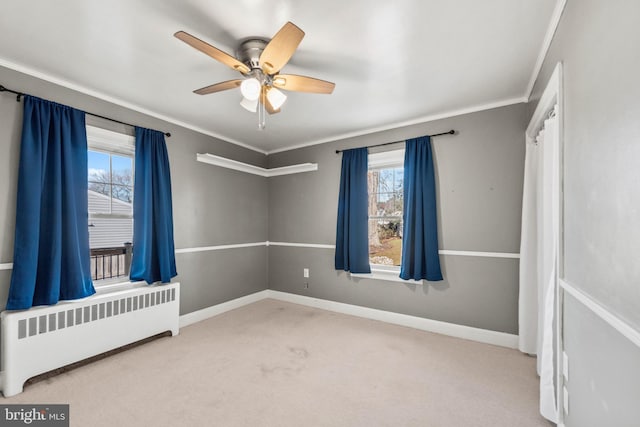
{"x": 385, "y": 188}
{"x": 110, "y": 183}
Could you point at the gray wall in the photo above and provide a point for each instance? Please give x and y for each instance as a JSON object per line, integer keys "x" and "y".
{"x": 211, "y": 206}
{"x": 597, "y": 43}
{"x": 604, "y": 378}
{"x": 479, "y": 190}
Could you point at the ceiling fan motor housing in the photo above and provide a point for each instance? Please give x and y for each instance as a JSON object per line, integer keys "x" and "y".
{"x": 250, "y": 50}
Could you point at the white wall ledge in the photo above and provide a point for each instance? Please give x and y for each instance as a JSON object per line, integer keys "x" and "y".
{"x": 255, "y": 170}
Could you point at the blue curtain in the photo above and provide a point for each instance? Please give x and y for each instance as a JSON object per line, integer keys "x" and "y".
{"x": 420, "y": 235}
{"x": 153, "y": 249}
{"x": 51, "y": 248}
{"x": 352, "y": 239}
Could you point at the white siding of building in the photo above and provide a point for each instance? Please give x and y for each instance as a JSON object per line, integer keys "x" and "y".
{"x": 107, "y": 232}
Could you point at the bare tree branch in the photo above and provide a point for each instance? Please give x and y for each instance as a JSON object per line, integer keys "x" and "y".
{"x": 119, "y": 185}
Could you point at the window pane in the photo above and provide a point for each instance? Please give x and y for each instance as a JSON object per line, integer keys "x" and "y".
{"x": 99, "y": 202}
{"x": 386, "y": 205}
{"x": 398, "y": 204}
{"x": 388, "y": 248}
{"x": 122, "y": 168}
{"x": 386, "y": 180}
{"x": 385, "y": 216}
{"x": 110, "y": 183}
{"x": 122, "y": 198}
{"x": 398, "y": 179}
{"x": 99, "y": 182}
{"x": 98, "y": 164}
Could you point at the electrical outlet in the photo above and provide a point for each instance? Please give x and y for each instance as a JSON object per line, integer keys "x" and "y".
{"x": 565, "y": 366}
{"x": 305, "y": 273}
{"x": 306, "y": 285}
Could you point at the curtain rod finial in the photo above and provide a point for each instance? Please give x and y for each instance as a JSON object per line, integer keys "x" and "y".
{"x": 168, "y": 134}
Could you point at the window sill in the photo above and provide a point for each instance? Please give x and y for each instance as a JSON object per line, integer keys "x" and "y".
{"x": 107, "y": 288}
{"x": 390, "y": 274}
{"x": 104, "y": 291}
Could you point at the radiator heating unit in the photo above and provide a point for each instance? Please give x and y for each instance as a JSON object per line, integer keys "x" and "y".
{"x": 44, "y": 338}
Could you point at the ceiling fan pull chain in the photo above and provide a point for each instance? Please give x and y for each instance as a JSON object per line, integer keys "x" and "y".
{"x": 261, "y": 112}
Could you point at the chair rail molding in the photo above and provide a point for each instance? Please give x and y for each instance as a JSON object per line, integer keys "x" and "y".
{"x": 602, "y": 312}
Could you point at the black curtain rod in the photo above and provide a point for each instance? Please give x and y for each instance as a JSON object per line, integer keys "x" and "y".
{"x": 20, "y": 95}
{"x": 451, "y": 132}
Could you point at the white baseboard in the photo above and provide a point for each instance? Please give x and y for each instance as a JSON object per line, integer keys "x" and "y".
{"x": 459, "y": 331}
{"x": 214, "y": 310}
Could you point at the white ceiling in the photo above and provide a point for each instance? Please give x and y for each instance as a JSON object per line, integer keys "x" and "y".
{"x": 393, "y": 62}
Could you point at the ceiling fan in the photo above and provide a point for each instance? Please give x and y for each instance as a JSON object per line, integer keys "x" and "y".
{"x": 260, "y": 61}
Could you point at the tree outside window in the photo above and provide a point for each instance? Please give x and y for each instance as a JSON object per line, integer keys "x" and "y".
{"x": 112, "y": 176}
{"x": 385, "y": 187}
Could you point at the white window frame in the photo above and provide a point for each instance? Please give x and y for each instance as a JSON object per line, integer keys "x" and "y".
{"x": 109, "y": 142}
{"x": 386, "y": 160}
{"x": 391, "y": 273}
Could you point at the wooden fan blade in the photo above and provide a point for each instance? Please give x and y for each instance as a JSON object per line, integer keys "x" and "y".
{"x": 213, "y": 52}
{"x": 302, "y": 83}
{"x": 280, "y": 49}
{"x": 267, "y": 104}
{"x": 218, "y": 87}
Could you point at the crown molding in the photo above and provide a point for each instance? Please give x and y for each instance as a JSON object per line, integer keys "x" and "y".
{"x": 546, "y": 45}
{"x": 396, "y": 125}
{"x": 117, "y": 101}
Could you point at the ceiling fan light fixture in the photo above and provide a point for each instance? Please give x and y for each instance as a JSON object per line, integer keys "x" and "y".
{"x": 251, "y": 88}
{"x": 276, "y": 98}
{"x": 279, "y": 81}
{"x": 249, "y": 104}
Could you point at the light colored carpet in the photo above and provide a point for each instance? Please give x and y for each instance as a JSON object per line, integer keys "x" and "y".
{"x": 273, "y": 363}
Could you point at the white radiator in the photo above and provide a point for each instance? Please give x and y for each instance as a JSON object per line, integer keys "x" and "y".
{"x": 44, "y": 338}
